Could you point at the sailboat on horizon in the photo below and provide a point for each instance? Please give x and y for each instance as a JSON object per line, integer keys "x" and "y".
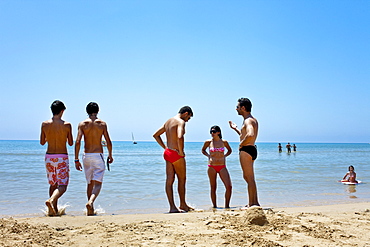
{"x": 133, "y": 139}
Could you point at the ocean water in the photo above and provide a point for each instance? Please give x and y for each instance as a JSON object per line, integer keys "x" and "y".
{"x": 136, "y": 181}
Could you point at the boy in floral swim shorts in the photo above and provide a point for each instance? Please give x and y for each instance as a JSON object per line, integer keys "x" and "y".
{"x": 56, "y": 132}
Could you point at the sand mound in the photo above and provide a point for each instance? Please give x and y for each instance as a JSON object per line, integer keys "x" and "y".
{"x": 256, "y": 216}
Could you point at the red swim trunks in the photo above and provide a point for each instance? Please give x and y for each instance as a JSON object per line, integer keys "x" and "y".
{"x": 57, "y": 168}
{"x": 171, "y": 155}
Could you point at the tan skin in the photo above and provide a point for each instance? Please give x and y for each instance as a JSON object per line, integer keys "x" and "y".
{"x": 218, "y": 159}
{"x": 248, "y": 135}
{"x": 56, "y": 132}
{"x": 175, "y": 131}
{"x": 92, "y": 129}
{"x": 350, "y": 176}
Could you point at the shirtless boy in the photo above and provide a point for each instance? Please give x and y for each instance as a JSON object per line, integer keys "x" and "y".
{"x": 56, "y": 132}
{"x": 92, "y": 129}
{"x": 247, "y": 149}
{"x": 174, "y": 156}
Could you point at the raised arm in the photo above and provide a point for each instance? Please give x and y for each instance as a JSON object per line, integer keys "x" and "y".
{"x": 157, "y": 136}
{"x": 234, "y": 127}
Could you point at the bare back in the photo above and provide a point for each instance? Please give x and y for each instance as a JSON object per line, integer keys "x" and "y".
{"x": 249, "y": 131}
{"x": 175, "y": 130}
{"x": 92, "y": 130}
{"x": 56, "y": 132}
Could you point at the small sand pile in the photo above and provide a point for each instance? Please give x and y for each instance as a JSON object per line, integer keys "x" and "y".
{"x": 256, "y": 216}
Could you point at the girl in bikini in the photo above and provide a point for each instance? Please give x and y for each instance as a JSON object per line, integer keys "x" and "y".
{"x": 217, "y": 164}
{"x": 350, "y": 175}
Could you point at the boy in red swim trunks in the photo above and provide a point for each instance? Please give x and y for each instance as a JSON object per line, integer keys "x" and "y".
{"x": 174, "y": 156}
{"x": 56, "y": 132}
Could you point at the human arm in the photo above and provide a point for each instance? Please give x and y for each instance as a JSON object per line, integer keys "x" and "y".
{"x": 204, "y": 148}
{"x": 77, "y": 148}
{"x": 250, "y": 133}
{"x": 42, "y": 135}
{"x": 109, "y": 144}
{"x": 157, "y": 136}
{"x": 180, "y": 138}
{"x": 345, "y": 176}
{"x": 69, "y": 135}
{"x": 234, "y": 127}
{"x": 229, "y": 150}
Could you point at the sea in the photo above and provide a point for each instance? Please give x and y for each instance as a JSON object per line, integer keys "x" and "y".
{"x": 136, "y": 181}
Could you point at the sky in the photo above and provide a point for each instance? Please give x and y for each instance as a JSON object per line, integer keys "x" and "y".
{"x": 305, "y": 65}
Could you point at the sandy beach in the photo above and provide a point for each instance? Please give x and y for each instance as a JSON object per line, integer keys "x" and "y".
{"x": 333, "y": 225}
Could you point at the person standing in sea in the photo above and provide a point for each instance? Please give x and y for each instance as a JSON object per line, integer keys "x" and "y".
{"x": 93, "y": 129}
{"x": 217, "y": 164}
{"x": 174, "y": 156}
{"x": 56, "y": 132}
{"x": 280, "y": 148}
{"x": 247, "y": 149}
{"x": 289, "y": 148}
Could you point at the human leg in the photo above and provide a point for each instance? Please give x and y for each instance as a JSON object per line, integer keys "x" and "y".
{"x": 225, "y": 177}
{"x": 57, "y": 170}
{"x": 212, "y": 174}
{"x": 170, "y": 179}
{"x": 246, "y": 163}
{"x": 52, "y": 202}
{"x": 180, "y": 171}
{"x": 93, "y": 190}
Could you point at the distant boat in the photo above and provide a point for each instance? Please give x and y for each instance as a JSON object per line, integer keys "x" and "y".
{"x": 133, "y": 139}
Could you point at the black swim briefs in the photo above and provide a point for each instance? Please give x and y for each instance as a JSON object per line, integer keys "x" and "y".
{"x": 251, "y": 150}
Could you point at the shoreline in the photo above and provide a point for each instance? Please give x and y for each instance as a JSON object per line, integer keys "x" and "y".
{"x": 328, "y": 225}
{"x": 100, "y": 212}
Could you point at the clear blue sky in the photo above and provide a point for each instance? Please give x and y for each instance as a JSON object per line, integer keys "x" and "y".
{"x": 305, "y": 65}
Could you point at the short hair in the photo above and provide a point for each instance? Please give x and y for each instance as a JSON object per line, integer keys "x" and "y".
{"x": 186, "y": 109}
{"x": 246, "y": 103}
{"x": 92, "y": 107}
{"x": 218, "y": 129}
{"x": 57, "y": 106}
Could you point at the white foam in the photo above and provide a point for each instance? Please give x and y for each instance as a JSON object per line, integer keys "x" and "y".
{"x": 61, "y": 209}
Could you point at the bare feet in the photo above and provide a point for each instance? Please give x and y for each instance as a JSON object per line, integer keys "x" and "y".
{"x": 247, "y": 207}
{"x": 175, "y": 210}
{"x": 187, "y": 208}
{"x": 51, "y": 210}
{"x": 90, "y": 209}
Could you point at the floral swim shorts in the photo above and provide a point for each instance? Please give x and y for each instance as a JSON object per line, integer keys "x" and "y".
{"x": 57, "y": 168}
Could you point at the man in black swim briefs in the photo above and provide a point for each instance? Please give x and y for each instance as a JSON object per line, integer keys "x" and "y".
{"x": 247, "y": 149}
{"x": 251, "y": 150}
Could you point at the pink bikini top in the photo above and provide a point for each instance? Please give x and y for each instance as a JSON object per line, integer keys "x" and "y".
{"x": 217, "y": 149}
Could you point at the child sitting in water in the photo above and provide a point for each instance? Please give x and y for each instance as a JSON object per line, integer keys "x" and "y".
{"x": 350, "y": 175}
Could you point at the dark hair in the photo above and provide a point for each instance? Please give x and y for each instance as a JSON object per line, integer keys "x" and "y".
{"x": 246, "y": 103}
{"x": 186, "y": 109}
{"x": 92, "y": 107}
{"x": 57, "y": 106}
{"x": 350, "y": 167}
{"x": 218, "y": 129}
